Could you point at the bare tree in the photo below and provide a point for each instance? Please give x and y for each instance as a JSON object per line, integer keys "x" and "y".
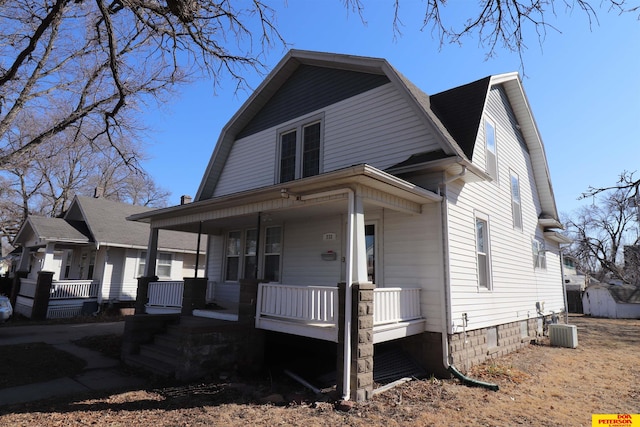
{"x": 601, "y": 230}
{"x": 69, "y": 63}
{"x": 498, "y": 23}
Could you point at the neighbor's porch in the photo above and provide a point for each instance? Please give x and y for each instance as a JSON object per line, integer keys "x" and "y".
{"x": 55, "y": 299}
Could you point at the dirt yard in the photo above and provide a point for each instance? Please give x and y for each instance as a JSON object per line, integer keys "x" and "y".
{"x": 539, "y": 386}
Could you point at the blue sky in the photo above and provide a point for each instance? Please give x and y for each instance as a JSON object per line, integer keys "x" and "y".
{"x": 583, "y": 85}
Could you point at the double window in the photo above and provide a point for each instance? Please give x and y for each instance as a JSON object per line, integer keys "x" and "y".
{"x": 242, "y": 257}
{"x": 490, "y": 149}
{"x": 163, "y": 264}
{"x": 299, "y": 151}
{"x": 483, "y": 253}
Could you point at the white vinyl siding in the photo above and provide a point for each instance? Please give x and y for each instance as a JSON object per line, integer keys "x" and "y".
{"x": 517, "y": 285}
{"x": 378, "y": 127}
{"x": 303, "y": 246}
{"x": 412, "y": 254}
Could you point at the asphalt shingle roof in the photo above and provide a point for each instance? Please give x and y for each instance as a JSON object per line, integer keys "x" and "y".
{"x": 58, "y": 229}
{"x": 107, "y": 223}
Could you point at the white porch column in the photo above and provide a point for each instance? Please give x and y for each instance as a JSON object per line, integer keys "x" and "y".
{"x": 359, "y": 255}
{"x": 48, "y": 263}
{"x": 152, "y": 253}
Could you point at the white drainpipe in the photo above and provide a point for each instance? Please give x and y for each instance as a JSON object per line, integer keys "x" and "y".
{"x": 349, "y": 279}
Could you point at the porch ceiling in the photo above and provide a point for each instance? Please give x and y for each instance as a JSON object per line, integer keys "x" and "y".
{"x": 318, "y": 196}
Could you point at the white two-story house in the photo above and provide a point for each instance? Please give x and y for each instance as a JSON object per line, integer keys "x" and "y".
{"x": 436, "y": 211}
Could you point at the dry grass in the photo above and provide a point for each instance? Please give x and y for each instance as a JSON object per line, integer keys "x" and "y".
{"x": 539, "y": 386}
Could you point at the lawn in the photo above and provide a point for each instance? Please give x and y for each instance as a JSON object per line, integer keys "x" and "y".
{"x": 539, "y": 386}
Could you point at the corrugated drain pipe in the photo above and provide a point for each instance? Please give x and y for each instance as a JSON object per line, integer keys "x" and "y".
{"x": 470, "y": 381}
{"x": 446, "y": 297}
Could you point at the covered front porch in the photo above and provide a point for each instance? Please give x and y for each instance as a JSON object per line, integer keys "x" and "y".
{"x": 307, "y": 259}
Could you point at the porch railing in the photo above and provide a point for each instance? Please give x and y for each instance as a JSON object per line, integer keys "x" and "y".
{"x": 165, "y": 294}
{"x": 305, "y": 304}
{"x": 70, "y": 289}
{"x": 392, "y": 305}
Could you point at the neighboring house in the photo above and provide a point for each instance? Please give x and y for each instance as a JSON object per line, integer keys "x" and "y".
{"x": 436, "y": 211}
{"x": 95, "y": 256}
{"x": 575, "y": 283}
{"x": 612, "y": 301}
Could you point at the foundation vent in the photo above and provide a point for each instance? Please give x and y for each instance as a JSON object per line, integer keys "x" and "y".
{"x": 563, "y": 335}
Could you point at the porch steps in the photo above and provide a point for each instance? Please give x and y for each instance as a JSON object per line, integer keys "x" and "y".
{"x": 164, "y": 354}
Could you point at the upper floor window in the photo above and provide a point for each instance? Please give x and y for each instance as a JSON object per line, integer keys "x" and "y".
{"x": 539, "y": 254}
{"x": 516, "y": 203}
{"x": 490, "y": 149}
{"x": 299, "y": 151}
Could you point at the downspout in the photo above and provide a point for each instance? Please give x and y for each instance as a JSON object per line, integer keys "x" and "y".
{"x": 446, "y": 294}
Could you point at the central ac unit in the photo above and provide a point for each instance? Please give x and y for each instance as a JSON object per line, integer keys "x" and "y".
{"x": 563, "y": 335}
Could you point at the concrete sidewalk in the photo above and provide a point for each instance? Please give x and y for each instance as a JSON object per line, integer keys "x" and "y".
{"x": 101, "y": 373}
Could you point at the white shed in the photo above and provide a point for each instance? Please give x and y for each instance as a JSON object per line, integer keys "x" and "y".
{"x": 612, "y": 301}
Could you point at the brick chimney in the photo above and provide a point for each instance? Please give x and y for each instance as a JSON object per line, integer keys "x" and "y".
{"x": 185, "y": 200}
{"x": 98, "y": 192}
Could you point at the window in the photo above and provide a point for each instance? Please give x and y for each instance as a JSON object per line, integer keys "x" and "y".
{"x": 482, "y": 252}
{"x": 516, "y": 205}
{"x": 67, "y": 263}
{"x": 539, "y": 254}
{"x": 272, "y": 251}
{"x": 242, "y": 258}
{"x": 142, "y": 262}
{"x": 92, "y": 264}
{"x": 233, "y": 255}
{"x": 250, "y": 257}
{"x": 370, "y": 241}
{"x": 299, "y": 151}
{"x": 490, "y": 145}
{"x": 163, "y": 264}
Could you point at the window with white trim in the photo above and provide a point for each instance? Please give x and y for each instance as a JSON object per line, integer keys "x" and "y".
{"x": 516, "y": 203}
{"x": 299, "y": 151}
{"x": 241, "y": 259}
{"x": 539, "y": 254}
{"x": 490, "y": 149}
{"x": 272, "y": 251}
{"x": 483, "y": 253}
{"x": 163, "y": 264}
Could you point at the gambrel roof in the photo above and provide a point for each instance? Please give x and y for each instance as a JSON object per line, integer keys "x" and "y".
{"x": 299, "y": 84}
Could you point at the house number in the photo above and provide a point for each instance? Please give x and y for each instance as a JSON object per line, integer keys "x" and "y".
{"x": 329, "y": 237}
